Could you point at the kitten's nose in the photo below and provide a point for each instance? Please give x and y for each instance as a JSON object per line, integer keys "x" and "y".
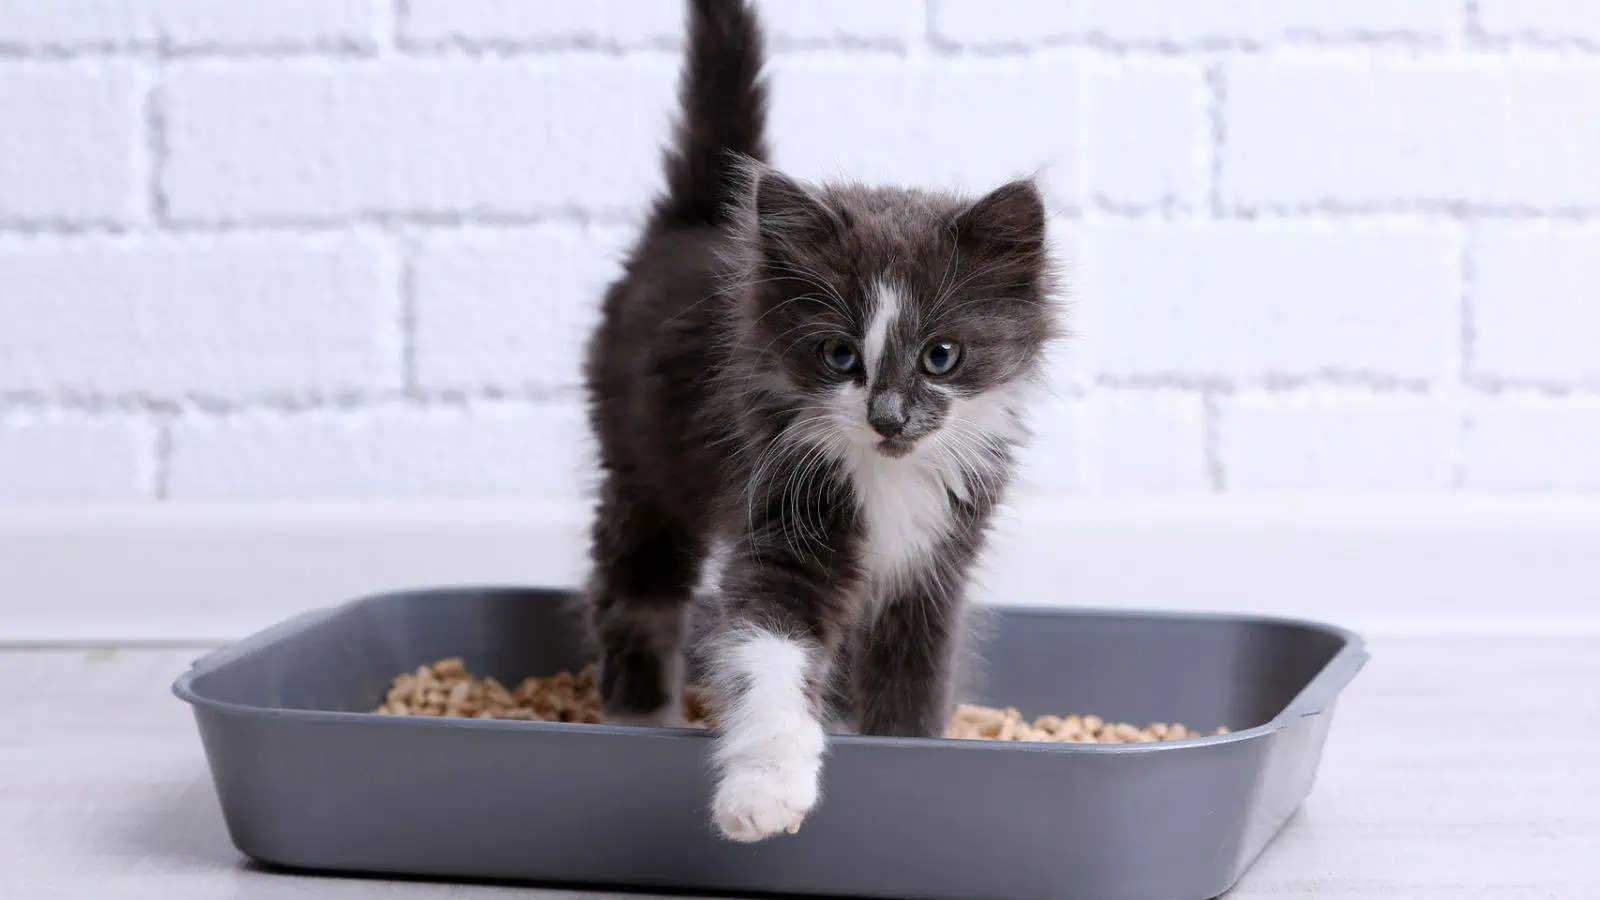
{"x": 887, "y": 414}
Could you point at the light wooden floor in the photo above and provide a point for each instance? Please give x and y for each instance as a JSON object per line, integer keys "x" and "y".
{"x": 1460, "y": 768}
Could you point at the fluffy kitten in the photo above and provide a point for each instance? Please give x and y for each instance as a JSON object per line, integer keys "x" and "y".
{"x": 829, "y": 380}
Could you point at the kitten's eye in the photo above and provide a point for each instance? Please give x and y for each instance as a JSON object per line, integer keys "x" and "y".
{"x": 941, "y": 357}
{"x": 839, "y": 355}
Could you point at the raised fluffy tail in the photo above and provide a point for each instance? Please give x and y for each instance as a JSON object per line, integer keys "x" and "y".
{"x": 723, "y": 116}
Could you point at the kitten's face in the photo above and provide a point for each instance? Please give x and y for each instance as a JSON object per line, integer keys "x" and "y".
{"x": 901, "y": 321}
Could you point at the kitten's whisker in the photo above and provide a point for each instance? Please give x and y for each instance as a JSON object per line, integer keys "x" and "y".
{"x": 800, "y": 480}
{"x": 963, "y": 282}
{"x": 820, "y": 455}
{"x": 813, "y": 277}
{"x": 950, "y": 268}
{"x": 815, "y": 331}
{"x": 795, "y": 299}
{"x": 793, "y": 438}
{"x": 935, "y": 321}
{"x": 828, "y": 296}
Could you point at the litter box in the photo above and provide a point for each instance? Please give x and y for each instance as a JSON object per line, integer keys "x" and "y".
{"x": 309, "y": 780}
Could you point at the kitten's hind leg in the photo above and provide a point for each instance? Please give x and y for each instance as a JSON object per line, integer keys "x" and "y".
{"x": 645, "y": 568}
{"x": 641, "y": 663}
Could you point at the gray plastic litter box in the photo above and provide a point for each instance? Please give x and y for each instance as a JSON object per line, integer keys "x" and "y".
{"x": 309, "y": 780}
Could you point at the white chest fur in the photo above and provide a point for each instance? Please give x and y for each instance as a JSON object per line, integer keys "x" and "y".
{"x": 905, "y": 510}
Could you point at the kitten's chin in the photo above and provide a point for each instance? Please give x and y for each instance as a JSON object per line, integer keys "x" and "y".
{"x": 894, "y": 448}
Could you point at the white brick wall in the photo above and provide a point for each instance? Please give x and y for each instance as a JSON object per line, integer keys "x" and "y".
{"x": 171, "y": 317}
{"x": 1138, "y": 136}
{"x": 1142, "y": 441}
{"x": 538, "y": 23}
{"x": 1116, "y": 441}
{"x": 1535, "y": 304}
{"x": 1553, "y": 21}
{"x": 307, "y": 141}
{"x": 1263, "y": 21}
{"x": 1342, "y": 441}
{"x": 192, "y": 25}
{"x": 509, "y": 310}
{"x": 1175, "y": 25}
{"x": 1247, "y": 302}
{"x": 1533, "y": 443}
{"x": 71, "y": 456}
{"x": 73, "y": 146}
{"x": 1472, "y": 131}
{"x": 353, "y": 247}
{"x": 482, "y": 449}
{"x": 878, "y": 117}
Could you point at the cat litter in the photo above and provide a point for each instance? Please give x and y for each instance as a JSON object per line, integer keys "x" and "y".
{"x": 447, "y": 688}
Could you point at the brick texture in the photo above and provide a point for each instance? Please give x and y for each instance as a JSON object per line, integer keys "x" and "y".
{"x": 169, "y": 318}
{"x": 488, "y": 450}
{"x": 430, "y": 138}
{"x": 306, "y": 248}
{"x": 193, "y": 24}
{"x": 517, "y": 310}
{"x": 632, "y": 24}
{"x": 622, "y": 23}
{"x": 1245, "y": 302}
{"x": 979, "y": 22}
{"x": 1176, "y": 24}
{"x": 1536, "y": 304}
{"x": 1337, "y": 442}
{"x": 1533, "y": 444}
{"x": 1053, "y": 459}
{"x": 1117, "y": 442}
{"x": 896, "y": 23}
{"x": 75, "y": 458}
{"x": 1265, "y": 21}
{"x": 1545, "y": 20}
{"x": 1144, "y": 442}
{"x": 1146, "y": 138}
{"x": 1468, "y": 132}
{"x": 829, "y": 120}
{"x": 72, "y": 147}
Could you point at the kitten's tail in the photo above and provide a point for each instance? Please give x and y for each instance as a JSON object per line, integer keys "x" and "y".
{"x": 724, "y": 104}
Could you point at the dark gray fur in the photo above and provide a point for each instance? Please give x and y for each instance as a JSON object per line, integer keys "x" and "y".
{"x": 708, "y": 350}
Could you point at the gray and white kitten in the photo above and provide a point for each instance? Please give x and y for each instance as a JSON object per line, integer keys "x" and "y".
{"x": 827, "y": 381}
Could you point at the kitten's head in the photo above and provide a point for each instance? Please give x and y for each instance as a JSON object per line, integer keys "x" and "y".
{"x": 898, "y": 320}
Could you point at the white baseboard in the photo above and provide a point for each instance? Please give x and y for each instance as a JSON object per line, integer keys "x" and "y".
{"x": 204, "y": 573}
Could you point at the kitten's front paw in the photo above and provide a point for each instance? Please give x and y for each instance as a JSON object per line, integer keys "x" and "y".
{"x": 754, "y": 804}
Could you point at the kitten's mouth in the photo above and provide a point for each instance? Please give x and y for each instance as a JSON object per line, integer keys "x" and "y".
{"x": 895, "y": 448}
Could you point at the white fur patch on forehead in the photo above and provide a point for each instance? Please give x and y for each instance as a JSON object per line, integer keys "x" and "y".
{"x": 887, "y": 301}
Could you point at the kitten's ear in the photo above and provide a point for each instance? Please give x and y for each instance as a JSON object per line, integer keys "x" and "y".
{"x": 787, "y": 213}
{"x": 1010, "y": 220}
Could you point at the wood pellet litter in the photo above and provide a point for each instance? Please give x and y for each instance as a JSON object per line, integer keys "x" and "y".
{"x": 985, "y": 723}
{"x": 446, "y": 688}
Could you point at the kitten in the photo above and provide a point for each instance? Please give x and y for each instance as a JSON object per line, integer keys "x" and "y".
{"x": 829, "y": 382}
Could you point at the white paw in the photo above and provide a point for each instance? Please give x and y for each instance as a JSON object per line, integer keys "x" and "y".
{"x": 754, "y": 804}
